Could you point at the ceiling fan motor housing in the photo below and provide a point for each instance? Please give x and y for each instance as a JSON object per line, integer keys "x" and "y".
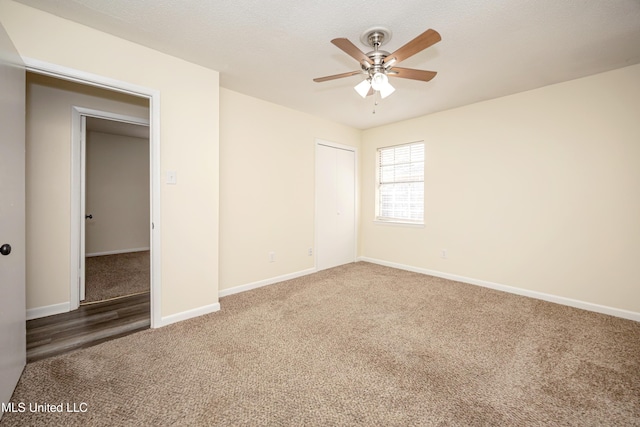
{"x": 375, "y": 37}
{"x": 377, "y": 57}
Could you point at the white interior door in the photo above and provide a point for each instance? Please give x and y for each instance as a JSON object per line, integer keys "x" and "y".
{"x": 335, "y": 206}
{"x": 12, "y": 218}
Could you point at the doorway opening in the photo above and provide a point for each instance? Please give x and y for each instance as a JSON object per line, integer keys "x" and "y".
{"x": 111, "y": 199}
{"x": 115, "y": 195}
{"x": 150, "y": 99}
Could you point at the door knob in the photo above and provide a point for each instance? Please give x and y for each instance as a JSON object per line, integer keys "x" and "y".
{"x": 5, "y": 249}
{"x": 90, "y": 216}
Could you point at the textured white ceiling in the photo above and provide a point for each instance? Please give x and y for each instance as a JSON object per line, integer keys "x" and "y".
{"x": 273, "y": 49}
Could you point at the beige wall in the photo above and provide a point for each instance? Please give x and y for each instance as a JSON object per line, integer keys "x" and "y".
{"x": 48, "y": 178}
{"x": 117, "y": 188}
{"x": 267, "y": 187}
{"x": 539, "y": 190}
{"x": 189, "y": 141}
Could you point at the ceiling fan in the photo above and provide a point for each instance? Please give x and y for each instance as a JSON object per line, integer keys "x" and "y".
{"x": 378, "y": 65}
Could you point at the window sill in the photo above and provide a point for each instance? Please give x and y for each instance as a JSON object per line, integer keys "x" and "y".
{"x": 399, "y": 223}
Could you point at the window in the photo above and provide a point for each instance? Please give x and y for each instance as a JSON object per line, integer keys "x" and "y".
{"x": 400, "y": 195}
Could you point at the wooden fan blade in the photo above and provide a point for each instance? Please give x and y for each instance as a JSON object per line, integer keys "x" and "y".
{"x": 423, "y": 41}
{"x": 336, "y": 76}
{"x": 352, "y": 50}
{"x": 410, "y": 73}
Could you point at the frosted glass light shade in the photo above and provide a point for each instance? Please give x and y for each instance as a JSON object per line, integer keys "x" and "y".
{"x": 363, "y": 88}
{"x": 379, "y": 80}
{"x": 386, "y": 90}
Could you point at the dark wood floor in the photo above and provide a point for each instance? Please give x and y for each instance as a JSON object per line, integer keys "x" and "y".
{"x": 89, "y": 325}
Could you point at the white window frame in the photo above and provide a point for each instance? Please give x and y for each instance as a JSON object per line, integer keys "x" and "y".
{"x": 389, "y": 219}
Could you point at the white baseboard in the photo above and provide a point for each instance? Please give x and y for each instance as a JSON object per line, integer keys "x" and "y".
{"x": 49, "y": 310}
{"x": 118, "y": 251}
{"x": 265, "y": 282}
{"x": 612, "y": 311}
{"x": 189, "y": 314}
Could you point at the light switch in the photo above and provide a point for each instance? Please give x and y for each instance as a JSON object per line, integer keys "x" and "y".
{"x": 172, "y": 177}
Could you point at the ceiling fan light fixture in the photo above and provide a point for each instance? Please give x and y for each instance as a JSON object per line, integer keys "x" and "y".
{"x": 363, "y": 88}
{"x": 379, "y": 80}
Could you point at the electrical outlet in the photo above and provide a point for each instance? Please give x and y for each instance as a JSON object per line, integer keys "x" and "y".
{"x": 310, "y": 252}
{"x": 443, "y": 253}
{"x": 272, "y": 256}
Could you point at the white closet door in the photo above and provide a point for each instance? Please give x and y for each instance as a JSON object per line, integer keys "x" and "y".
{"x": 335, "y": 210}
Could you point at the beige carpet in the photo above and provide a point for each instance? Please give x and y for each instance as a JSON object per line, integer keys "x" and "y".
{"x": 358, "y": 345}
{"x": 111, "y": 276}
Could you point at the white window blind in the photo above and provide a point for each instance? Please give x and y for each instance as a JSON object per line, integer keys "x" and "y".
{"x": 401, "y": 183}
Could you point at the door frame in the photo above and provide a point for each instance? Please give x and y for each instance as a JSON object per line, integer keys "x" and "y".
{"x": 153, "y": 95}
{"x": 79, "y": 191}
{"x": 356, "y": 194}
